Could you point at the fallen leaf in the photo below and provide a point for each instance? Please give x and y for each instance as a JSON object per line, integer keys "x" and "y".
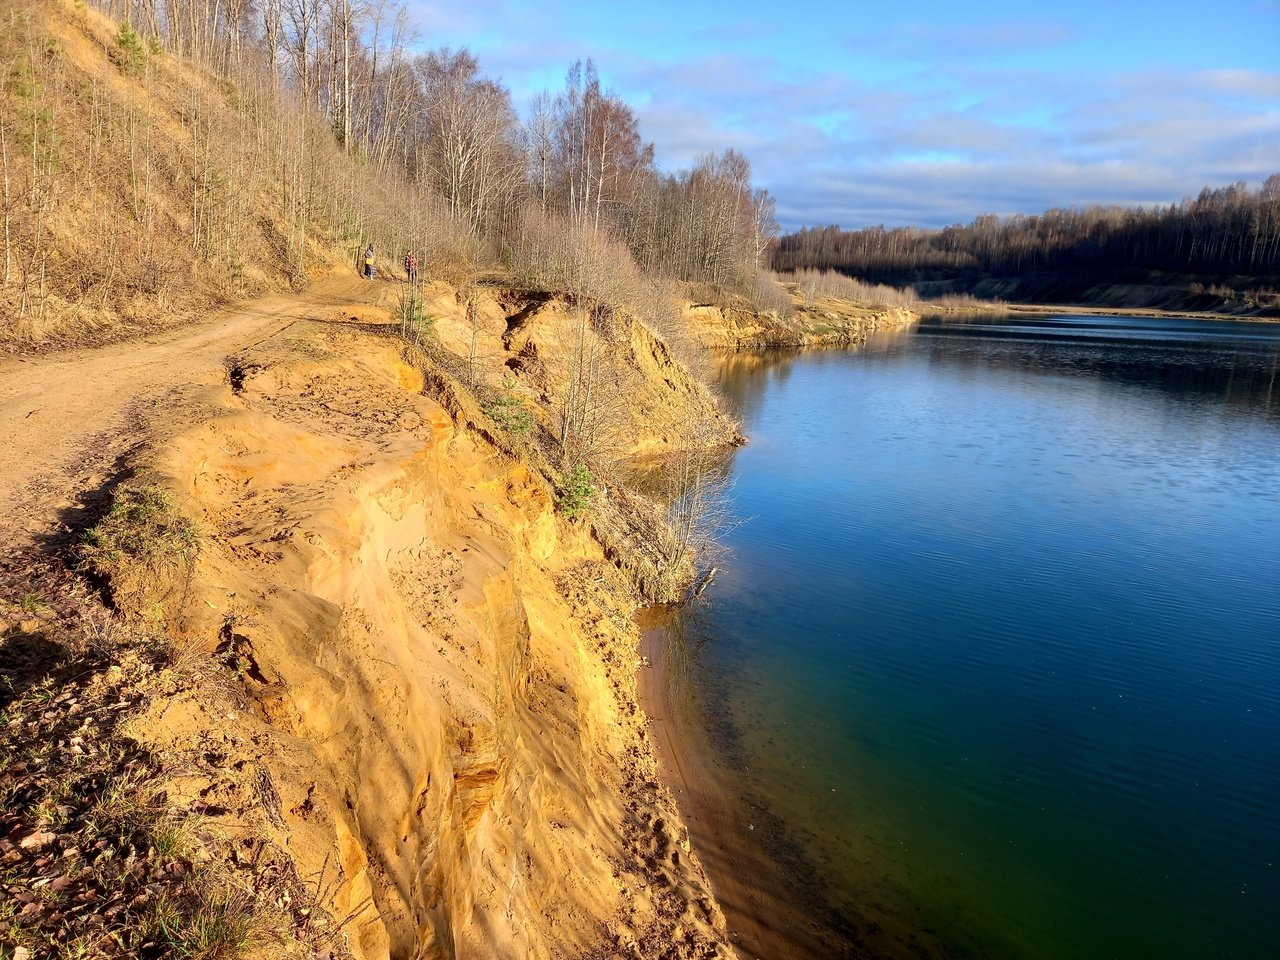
{"x": 37, "y": 840}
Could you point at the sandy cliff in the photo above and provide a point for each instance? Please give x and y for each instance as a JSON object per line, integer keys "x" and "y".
{"x": 826, "y": 321}
{"x": 405, "y": 685}
{"x": 647, "y": 402}
{"x": 431, "y": 676}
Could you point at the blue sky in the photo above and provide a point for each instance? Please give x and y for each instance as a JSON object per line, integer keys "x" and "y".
{"x": 919, "y": 113}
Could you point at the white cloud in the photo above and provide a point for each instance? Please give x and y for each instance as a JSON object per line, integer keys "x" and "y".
{"x": 1249, "y": 83}
{"x": 952, "y": 135}
{"x": 955, "y": 145}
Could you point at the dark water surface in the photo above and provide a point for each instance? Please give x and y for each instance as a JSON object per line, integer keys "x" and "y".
{"x": 1000, "y": 644}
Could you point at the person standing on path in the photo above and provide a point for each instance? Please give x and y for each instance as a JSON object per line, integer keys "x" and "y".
{"x": 369, "y": 269}
{"x": 411, "y": 266}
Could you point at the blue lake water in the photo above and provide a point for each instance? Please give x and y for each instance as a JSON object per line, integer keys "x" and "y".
{"x": 1000, "y": 642}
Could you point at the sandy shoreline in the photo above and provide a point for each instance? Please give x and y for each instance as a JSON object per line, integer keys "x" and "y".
{"x": 758, "y": 880}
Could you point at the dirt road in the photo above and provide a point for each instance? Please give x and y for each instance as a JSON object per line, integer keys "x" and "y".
{"x": 68, "y": 418}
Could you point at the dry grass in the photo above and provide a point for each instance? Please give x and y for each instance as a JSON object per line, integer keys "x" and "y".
{"x": 963, "y": 301}
{"x": 142, "y": 551}
{"x": 134, "y": 197}
{"x": 140, "y": 190}
{"x": 811, "y": 284}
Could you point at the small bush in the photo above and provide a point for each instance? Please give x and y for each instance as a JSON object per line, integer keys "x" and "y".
{"x": 771, "y": 296}
{"x": 143, "y": 550}
{"x": 414, "y": 322}
{"x": 576, "y": 493}
{"x": 218, "y": 926}
{"x": 508, "y": 410}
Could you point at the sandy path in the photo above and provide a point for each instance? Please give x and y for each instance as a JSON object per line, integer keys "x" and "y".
{"x": 67, "y": 419}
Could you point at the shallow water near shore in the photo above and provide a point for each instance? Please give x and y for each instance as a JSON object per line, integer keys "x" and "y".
{"x": 1000, "y": 643}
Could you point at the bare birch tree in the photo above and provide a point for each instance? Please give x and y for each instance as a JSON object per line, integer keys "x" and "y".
{"x": 468, "y": 153}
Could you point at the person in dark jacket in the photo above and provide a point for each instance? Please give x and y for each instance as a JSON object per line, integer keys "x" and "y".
{"x": 369, "y": 269}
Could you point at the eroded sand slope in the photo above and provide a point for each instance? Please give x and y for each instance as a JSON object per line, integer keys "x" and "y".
{"x": 431, "y": 693}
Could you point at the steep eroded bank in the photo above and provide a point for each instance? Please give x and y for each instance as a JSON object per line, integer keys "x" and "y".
{"x": 404, "y": 685}
{"x": 433, "y": 672}
{"x": 823, "y": 322}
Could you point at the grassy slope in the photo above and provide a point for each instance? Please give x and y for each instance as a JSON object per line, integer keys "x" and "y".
{"x": 139, "y": 191}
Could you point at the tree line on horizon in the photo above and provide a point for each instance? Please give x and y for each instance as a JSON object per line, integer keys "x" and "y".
{"x": 1226, "y": 232}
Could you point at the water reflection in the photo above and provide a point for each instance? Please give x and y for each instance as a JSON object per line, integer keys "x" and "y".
{"x": 741, "y": 373}
{"x": 740, "y": 378}
{"x": 1002, "y": 646}
{"x": 1233, "y": 362}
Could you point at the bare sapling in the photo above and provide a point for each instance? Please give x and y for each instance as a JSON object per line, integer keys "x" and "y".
{"x": 700, "y": 512}
{"x": 8, "y": 200}
{"x": 593, "y": 408}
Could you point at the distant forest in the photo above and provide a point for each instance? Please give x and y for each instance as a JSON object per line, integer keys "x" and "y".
{"x": 1222, "y": 245}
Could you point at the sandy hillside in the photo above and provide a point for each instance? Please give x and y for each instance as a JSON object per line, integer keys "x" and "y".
{"x": 647, "y": 400}
{"x": 424, "y": 683}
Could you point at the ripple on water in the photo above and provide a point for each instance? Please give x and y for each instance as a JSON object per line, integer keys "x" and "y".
{"x": 1003, "y": 641}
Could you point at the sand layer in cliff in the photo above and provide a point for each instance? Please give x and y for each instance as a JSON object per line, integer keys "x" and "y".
{"x": 433, "y": 671}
